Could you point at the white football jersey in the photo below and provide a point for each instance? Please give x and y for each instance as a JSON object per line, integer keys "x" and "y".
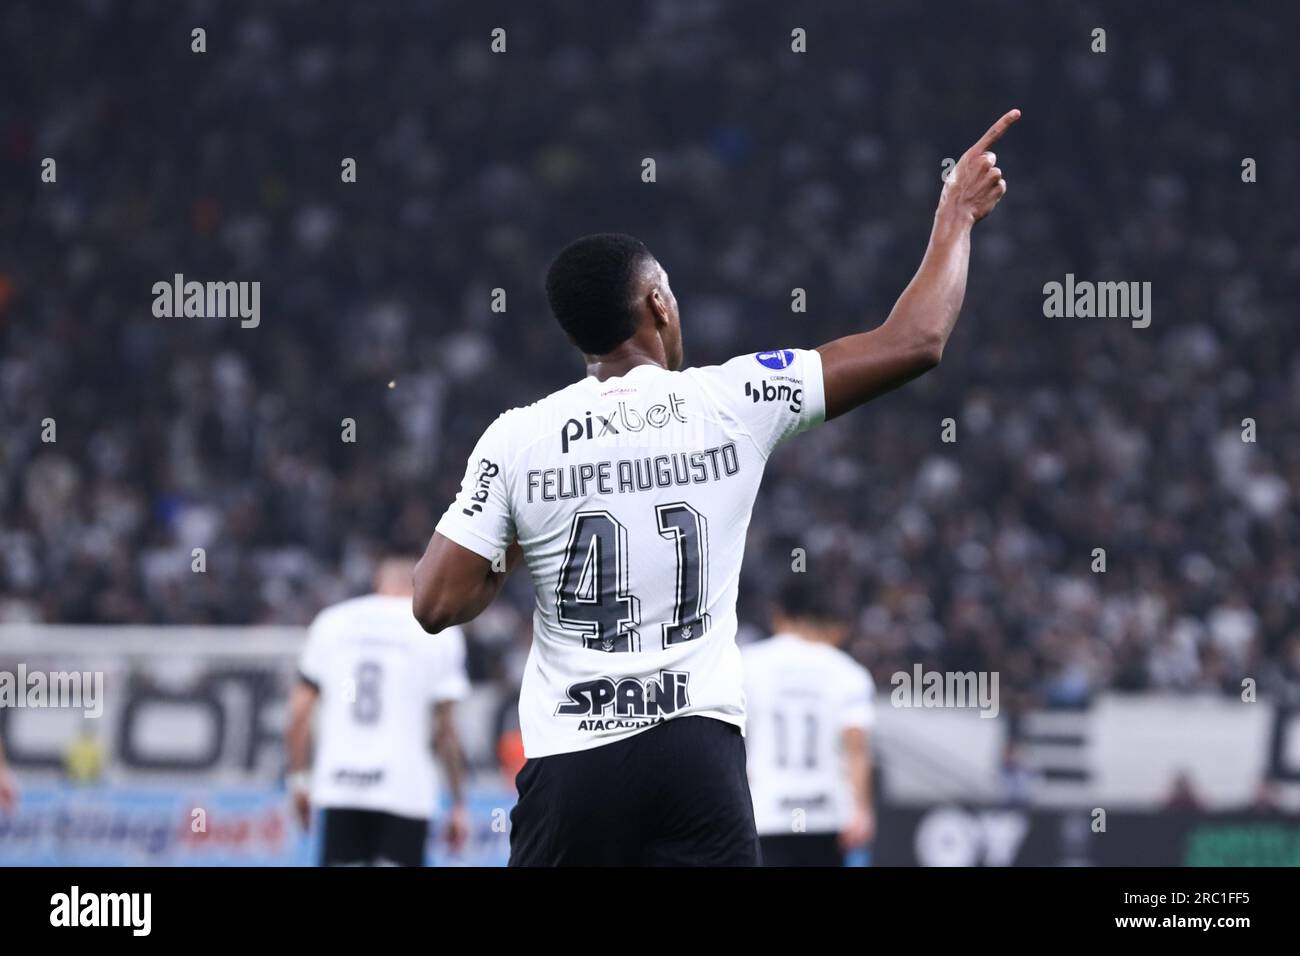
{"x": 379, "y": 675}
{"x": 802, "y": 696}
{"x": 631, "y": 499}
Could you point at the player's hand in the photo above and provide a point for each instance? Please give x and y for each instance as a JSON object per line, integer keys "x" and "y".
{"x": 976, "y": 183}
{"x": 302, "y": 808}
{"x": 860, "y": 829}
{"x": 8, "y": 790}
{"x": 458, "y": 828}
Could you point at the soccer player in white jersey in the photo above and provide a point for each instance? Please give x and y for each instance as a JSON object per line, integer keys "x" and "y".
{"x": 808, "y": 723}
{"x": 628, "y": 496}
{"x": 386, "y": 693}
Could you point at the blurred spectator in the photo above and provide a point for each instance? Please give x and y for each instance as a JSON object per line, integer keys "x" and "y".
{"x": 1182, "y": 795}
{"x": 776, "y": 171}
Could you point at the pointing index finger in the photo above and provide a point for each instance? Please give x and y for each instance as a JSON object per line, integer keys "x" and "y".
{"x": 995, "y": 131}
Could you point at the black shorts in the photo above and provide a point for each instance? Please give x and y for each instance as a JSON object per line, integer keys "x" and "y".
{"x": 801, "y": 849}
{"x": 673, "y": 795}
{"x": 372, "y": 838}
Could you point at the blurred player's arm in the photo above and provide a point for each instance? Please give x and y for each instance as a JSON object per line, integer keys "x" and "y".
{"x": 8, "y": 786}
{"x": 857, "y": 763}
{"x": 858, "y": 368}
{"x": 302, "y": 705}
{"x": 453, "y": 584}
{"x": 446, "y": 744}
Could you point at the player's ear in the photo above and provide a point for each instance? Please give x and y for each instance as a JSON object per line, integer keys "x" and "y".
{"x": 659, "y": 309}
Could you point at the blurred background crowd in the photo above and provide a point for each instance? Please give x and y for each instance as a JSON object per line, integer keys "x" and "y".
{"x": 775, "y": 171}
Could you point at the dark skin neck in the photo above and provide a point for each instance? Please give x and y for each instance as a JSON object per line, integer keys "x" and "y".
{"x": 644, "y": 348}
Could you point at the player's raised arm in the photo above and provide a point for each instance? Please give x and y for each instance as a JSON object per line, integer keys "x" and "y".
{"x": 857, "y": 368}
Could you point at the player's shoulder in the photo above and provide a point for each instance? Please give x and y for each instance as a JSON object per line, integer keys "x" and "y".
{"x": 764, "y": 383}
{"x": 846, "y": 665}
{"x": 768, "y": 651}
{"x": 756, "y": 365}
{"x": 348, "y": 608}
{"x": 521, "y": 425}
{"x": 813, "y": 653}
{"x": 334, "y": 618}
{"x": 557, "y": 402}
{"x": 344, "y": 608}
{"x": 395, "y": 615}
{"x": 369, "y": 607}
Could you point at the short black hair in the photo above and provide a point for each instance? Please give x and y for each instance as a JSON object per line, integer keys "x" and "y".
{"x": 804, "y": 596}
{"x": 591, "y": 285}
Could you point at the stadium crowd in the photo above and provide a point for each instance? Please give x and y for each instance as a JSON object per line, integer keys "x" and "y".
{"x": 775, "y": 170}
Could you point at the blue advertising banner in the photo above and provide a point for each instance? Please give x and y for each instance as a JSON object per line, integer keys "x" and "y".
{"x": 63, "y": 825}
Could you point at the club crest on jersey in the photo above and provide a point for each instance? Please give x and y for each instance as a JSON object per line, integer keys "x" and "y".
{"x": 781, "y": 358}
{"x": 626, "y": 697}
{"x": 621, "y": 419}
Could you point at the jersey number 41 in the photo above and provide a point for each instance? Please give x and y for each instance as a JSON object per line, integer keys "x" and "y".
{"x": 592, "y": 597}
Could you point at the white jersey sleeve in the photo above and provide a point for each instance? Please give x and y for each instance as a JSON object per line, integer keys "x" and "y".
{"x": 448, "y": 680}
{"x": 772, "y": 395}
{"x": 857, "y": 706}
{"x": 312, "y": 661}
{"x": 480, "y": 517}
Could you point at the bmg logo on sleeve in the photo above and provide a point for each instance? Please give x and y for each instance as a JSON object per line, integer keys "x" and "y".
{"x": 765, "y": 391}
{"x": 487, "y": 470}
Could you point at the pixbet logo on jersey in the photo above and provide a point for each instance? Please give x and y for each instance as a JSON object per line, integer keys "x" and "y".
{"x": 628, "y": 696}
{"x": 767, "y": 392}
{"x": 622, "y": 419}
